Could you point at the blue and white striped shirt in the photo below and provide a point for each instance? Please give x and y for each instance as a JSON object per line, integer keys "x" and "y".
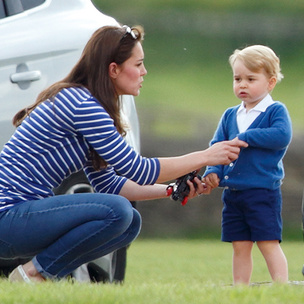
{"x": 54, "y": 141}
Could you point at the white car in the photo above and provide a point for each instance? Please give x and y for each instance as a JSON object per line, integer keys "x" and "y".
{"x": 41, "y": 40}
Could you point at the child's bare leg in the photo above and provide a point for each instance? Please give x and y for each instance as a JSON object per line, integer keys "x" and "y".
{"x": 275, "y": 259}
{"x": 242, "y": 262}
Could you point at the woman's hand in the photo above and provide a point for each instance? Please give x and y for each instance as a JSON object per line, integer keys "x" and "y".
{"x": 199, "y": 188}
{"x": 225, "y": 152}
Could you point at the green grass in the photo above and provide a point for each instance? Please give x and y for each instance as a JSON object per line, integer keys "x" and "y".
{"x": 171, "y": 271}
{"x": 206, "y": 262}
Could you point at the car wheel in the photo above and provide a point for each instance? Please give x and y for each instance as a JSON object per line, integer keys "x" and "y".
{"x": 109, "y": 269}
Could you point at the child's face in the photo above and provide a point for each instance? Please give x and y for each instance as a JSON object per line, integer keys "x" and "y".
{"x": 250, "y": 87}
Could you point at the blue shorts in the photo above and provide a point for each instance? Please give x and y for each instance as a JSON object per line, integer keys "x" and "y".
{"x": 252, "y": 215}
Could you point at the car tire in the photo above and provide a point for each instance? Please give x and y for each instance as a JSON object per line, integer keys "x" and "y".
{"x": 121, "y": 264}
{"x": 113, "y": 274}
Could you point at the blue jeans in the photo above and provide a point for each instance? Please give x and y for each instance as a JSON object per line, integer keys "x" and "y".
{"x": 62, "y": 232}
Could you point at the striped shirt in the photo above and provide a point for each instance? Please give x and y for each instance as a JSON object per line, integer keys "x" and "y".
{"x": 54, "y": 141}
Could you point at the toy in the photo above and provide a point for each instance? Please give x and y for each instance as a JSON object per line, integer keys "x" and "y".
{"x": 180, "y": 189}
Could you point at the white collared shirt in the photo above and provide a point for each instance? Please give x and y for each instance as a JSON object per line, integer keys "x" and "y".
{"x": 245, "y": 119}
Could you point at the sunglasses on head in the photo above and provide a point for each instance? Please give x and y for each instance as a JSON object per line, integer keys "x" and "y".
{"x": 128, "y": 32}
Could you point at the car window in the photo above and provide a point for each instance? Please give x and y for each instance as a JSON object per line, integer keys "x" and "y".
{"x": 2, "y": 11}
{"x": 10, "y": 8}
{"x": 28, "y": 4}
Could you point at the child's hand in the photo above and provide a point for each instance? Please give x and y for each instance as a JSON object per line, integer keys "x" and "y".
{"x": 211, "y": 180}
{"x": 199, "y": 188}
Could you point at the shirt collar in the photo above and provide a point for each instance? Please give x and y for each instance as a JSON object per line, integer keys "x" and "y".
{"x": 260, "y": 107}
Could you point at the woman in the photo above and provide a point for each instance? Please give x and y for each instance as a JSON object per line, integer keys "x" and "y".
{"x": 75, "y": 124}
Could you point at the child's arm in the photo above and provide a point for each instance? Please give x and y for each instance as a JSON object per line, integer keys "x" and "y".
{"x": 277, "y": 136}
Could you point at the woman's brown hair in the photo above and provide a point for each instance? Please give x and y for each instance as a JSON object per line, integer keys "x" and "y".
{"x": 107, "y": 44}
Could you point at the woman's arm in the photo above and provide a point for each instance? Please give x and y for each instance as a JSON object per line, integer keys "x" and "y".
{"x": 221, "y": 153}
{"x": 135, "y": 192}
{"x": 102, "y": 135}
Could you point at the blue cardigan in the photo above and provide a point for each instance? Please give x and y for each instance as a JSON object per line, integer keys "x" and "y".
{"x": 260, "y": 165}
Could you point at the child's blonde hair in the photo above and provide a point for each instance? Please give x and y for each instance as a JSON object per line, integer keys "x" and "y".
{"x": 258, "y": 57}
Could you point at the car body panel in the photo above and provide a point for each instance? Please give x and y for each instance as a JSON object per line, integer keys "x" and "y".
{"x": 39, "y": 47}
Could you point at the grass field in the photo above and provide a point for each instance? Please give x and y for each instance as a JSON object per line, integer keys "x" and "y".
{"x": 171, "y": 271}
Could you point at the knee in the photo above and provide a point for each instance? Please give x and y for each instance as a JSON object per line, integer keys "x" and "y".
{"x": 134, "y": 228}
{"x": 136, "y": 222}
{"x": 242, "y": 248}
{"x": 123, "y": 212}
{"x": 128, "y": 218}
{"x": 114, "y": 210}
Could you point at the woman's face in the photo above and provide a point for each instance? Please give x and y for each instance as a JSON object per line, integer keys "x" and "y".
{"x": 129, "y": 76}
